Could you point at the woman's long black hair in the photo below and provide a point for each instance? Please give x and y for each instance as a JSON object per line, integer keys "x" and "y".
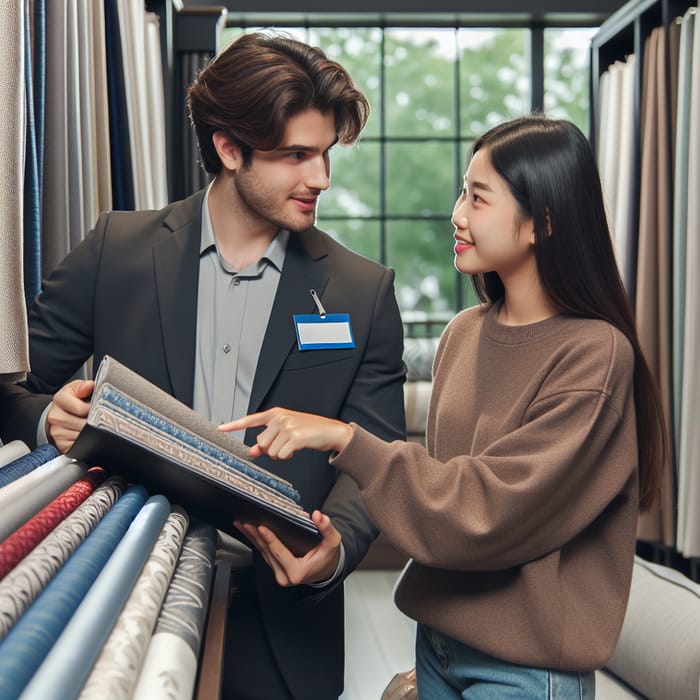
{"x": 550, "y": 169}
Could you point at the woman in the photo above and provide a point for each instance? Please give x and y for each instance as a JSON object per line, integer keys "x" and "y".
{"x": 544, "y": 438}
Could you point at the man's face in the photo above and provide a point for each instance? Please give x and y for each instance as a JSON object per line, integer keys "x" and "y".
{"x": 281, "y": 187}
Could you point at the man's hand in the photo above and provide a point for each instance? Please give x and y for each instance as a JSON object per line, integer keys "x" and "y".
{"x": 68, "y": 413}
{"x": 316, "y": 566}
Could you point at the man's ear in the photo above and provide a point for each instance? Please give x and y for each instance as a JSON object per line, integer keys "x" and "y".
{"x": 229, "y": 151}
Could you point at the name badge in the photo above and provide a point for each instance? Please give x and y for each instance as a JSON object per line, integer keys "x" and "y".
{"x": 323, "y": 332}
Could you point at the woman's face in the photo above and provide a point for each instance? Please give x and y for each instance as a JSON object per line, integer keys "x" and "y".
{"x": 491, "y": 234}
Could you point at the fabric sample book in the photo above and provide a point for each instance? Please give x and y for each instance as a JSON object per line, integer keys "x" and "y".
{"x": 141, "y": 432}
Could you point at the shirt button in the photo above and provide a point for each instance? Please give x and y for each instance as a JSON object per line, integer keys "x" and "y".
{"x": 227, "y": 347}
{"x": 236, "y": 282}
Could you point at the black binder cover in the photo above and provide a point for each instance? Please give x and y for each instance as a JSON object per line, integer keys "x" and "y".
{"x": 214, "y": 500}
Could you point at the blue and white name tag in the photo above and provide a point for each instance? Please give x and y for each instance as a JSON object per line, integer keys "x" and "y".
{"x": 323, "y": 332}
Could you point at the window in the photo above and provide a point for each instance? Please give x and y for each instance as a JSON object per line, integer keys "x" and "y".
{"x": 432, "y": 91}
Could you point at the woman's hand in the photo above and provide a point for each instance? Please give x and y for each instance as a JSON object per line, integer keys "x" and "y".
{"x": 288, "y": 432}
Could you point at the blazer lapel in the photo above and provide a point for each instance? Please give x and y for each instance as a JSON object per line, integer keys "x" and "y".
{"x": 176, "y": 268}
{"x": 300, "y": 274}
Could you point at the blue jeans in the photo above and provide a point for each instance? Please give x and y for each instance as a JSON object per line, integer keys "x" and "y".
{"x": 449, "y": 670}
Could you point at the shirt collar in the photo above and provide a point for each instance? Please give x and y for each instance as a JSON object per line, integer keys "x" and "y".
{"x": 274, "y": 253}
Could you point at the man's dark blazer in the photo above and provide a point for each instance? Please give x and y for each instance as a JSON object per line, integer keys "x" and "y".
{"x": 130, "y": 290}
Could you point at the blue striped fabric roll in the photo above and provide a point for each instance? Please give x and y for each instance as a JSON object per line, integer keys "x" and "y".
{"x": 30, "y": 640}
{"x": 27, "y": 463}
{"x": 69, "y": 662}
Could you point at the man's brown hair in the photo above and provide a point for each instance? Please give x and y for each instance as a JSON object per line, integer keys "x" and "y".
{"x": 258, "y": 82}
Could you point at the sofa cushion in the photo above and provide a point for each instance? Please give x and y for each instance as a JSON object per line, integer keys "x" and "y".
{"x": 658, "y": 653}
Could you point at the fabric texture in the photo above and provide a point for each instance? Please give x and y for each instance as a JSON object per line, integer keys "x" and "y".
{"x": 25, "y": 647}
{"x": 11, "y": 451}
{"x": 68, "y": 663}
{"x": 27, "y": 463}
{"x": 116, "y": 669}
{"x": 531, "y": 467}
{"x": 27, "y": 580}
{"x": 171, "y": 659}
{"x": 28, "y": 536}
{"x": 14, "y": 351}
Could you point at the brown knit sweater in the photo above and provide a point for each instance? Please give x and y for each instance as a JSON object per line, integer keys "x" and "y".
{"x": 520, "y": 517}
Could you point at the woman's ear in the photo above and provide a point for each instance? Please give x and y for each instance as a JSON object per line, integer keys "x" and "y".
{"x": 229, "y": 151}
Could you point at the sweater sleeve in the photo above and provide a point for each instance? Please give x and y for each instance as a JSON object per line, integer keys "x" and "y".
{"x": 526, "y": 494}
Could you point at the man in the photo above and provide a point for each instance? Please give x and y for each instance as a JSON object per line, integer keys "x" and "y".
{"x": 201, "y": 297}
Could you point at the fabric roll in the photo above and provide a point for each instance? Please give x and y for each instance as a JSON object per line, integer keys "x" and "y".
{"x": 653, "y": 287}
{"x": 27, "y": 580}
{"x": 689, "y": 546}
{"x": 170, "y": 666}
{"x": 680, "y": 229}
{"x": 116, "y": 670}
{"x": 29, "y": 641}
{"x": 32, "y": 183}
{"x": 14, "y": 350}
{"x": 25, "y": 538}
{"x": 24, "y": 465}
{"x": 56, "y": 184}
{"x": 26, "y": 496}
{"x": 12, "y": 451}
{"x": 63, "y": 672}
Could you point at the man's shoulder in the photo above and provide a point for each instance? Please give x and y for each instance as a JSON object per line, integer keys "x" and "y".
{"x": 324, "y": 243}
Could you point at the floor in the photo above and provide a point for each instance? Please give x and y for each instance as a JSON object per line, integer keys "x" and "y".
{"x": 379, "y": 640}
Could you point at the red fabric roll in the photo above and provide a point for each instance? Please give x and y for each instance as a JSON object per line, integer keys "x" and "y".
{"x": 28, "y": 536}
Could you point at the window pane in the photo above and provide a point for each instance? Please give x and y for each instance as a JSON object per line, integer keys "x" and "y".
{"x": 422, "y": 255}
{"x": 358, "y": 50}
{"x": 361, "y": 236}
{"x": 419, "y": 70}
{"x": 420, "y": 178}
{"x": 354, "y": 189}
{"x": 494, "y": 77}
{"x": 566, "y": 74}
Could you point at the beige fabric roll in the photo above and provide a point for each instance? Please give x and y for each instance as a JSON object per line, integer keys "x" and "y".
{"x": 14, "y": 351}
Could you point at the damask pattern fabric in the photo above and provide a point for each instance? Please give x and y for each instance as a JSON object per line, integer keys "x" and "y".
{"x": 25, "y": 538}
{"x": 71, "y": 658}
{"x": 29, "y": 641}
{"x": 27, "y": 580}
{"x": 116, "y": 670}
{"x": 170, "y": 666}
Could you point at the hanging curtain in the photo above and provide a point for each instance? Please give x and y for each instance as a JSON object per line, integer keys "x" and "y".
{"x": 689, "y": 468}
{"x": 14, "y": 355}
{"x": 654, "y": 260}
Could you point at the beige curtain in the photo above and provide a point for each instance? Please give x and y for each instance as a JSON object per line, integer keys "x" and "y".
{"x": 14, "y": 354}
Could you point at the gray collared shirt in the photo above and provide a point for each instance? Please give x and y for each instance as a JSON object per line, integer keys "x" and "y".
{"x": 233, "y": 309}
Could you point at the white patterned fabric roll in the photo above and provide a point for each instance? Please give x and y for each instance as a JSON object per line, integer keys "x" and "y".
{"x": 116, "y": 670}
